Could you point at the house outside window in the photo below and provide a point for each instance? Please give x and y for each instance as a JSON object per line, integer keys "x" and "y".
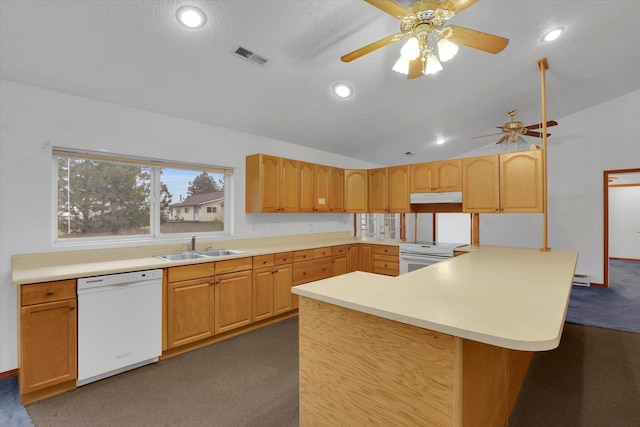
{"x": 110, "y": 197}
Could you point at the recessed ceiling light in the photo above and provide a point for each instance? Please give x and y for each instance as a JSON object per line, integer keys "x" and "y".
{"x": 440, "y": 141}
{"x": 342, "y": 90}
{"x": 553, "y": 34}
{"x": 191, "y": 16}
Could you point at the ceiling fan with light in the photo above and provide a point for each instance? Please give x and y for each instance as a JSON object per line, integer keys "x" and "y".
{"x": 514, "y": 130}
{"x": 429, "y": 40}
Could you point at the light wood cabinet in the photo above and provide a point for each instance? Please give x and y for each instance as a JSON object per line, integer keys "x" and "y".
{"x": 352, "y": 258}
{"x": 503, "y": 183}
{"x": 322, "y": 188}
{"x": 48, "y": 339}
{"x": 233, "y": 301}
{"x": 190, "y": 311}
{"x": 272, "y": 285}
{"x": 271, "y": 184}
{"x": 365, "y": 258}
{"x": 386, "y": 260}
{"x": 339, "y": 256}
{"x": 389, "y": 189}
{"x": 356, "y": 196}
{"x": 336, "y": 190}
{"x": 439, "y": 176}
{"x": 307, "y": 187}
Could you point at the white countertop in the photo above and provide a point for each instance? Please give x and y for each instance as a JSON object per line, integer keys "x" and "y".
{"x": 509, "y": 297}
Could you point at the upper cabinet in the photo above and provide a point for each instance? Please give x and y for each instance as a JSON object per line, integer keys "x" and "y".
{"x": 307, "y": 187}
{"x": 355, "y": 190}
{"x": 271, "y": 184}
{"x": 389, "y": 189}
{"x": 336, "y": 190}
{"x": 503, "y": 183}
{"x": 440, "y": 176}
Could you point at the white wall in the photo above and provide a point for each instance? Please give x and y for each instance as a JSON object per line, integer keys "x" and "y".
{"x": 32, "y": 120}
{"x": 582, "y": 146}
{"x": 624, "y": 222}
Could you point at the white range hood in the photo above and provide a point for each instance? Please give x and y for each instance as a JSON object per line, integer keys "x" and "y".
{"x": 429, "y": 198}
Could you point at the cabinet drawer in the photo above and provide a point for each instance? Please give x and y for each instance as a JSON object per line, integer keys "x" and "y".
{"x": 385, "y": 250}
{"x": 263, "y": 261}
{"x": 386, "y": 264}
{"x": 309, "y": 271}
{"x": 187, "y": 272}
{"x": 232, "y": 265}
{"x": 339, "y": 250}
{"x": 322, "y": 252}
{"x": 305, "y": 255}
{"x": 283, "y": 258}
{"x": 48, "y": 292}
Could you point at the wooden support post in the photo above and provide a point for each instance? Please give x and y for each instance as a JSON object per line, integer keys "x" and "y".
{"x": 403, "y": 227}
{"x": 355, "y": 225}
{"x": 475, "y": 229}
{"x": 415, "y": 227}
{"x": 543, "y": 65}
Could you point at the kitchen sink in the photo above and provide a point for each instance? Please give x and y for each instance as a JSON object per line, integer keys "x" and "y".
{"x": 220, "y": 252}
{"x": 181, "y": 256}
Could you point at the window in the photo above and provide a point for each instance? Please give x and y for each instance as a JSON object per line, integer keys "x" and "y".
{"x": 212, "y": 209}
{"x": 100, "y": 197}
{"x": 383, "y": 226}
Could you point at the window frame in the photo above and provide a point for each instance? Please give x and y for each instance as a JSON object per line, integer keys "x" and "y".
{"x": 155, "y": 166}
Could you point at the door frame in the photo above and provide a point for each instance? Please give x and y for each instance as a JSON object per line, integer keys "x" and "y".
{"x": 606, "y": 218}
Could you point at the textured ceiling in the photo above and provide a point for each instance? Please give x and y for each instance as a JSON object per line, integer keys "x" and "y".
{"x": 134, "y": 53}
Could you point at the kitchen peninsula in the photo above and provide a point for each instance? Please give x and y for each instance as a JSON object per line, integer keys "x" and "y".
{"x": 447, "y": 345}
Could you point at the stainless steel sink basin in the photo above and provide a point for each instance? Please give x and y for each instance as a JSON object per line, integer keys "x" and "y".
{"x": 181, "y": 256}
{"x": 220, "y": 252}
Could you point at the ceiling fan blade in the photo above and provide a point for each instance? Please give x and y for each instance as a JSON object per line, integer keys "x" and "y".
{"x": 536, "y": 134}
{"x": 477, "y": 39}
{"x": 457, "y": 6}
{"x": 415, "y": 68}
{"x": 503, "y": 139}
{"x": 390, "y": 7}
{"x": 371, "y": 47}
{"x": 539, "y": 125}
{"x": 482, "y": 136}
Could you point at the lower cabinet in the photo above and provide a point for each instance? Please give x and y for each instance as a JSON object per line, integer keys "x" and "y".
{"x": 282, "y": 283}
{"x": 365, "y": 258}
{"x": 386, "y": 260}
{"x": 272, "y": 285}
{"x": 190, "y": 311}
{"x": 48, "y": 339}
{"x": 233, "y": 301}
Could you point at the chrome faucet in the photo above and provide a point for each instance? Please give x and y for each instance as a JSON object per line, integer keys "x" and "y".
{"x": 193, "y": 243}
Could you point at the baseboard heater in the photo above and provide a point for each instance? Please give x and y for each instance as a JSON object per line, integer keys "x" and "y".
{"x": 581, "y": 280}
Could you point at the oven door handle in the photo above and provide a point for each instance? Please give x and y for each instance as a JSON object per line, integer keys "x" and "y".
{"x": 422, "y": 258}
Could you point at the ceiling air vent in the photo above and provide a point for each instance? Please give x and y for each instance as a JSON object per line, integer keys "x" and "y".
{"x": 250, "y": 56}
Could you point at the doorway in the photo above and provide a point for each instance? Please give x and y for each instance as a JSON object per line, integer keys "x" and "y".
{"x": 621, "y": 219}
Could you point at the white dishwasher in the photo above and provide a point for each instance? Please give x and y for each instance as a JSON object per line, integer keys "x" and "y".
{"x": 119, "y": 323}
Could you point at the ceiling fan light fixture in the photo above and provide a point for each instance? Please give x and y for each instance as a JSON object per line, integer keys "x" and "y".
{"x": 191, "y": 17}
{"x": 552, "y": 35}
{"x": 446, "y": 49}
{"x": 410, "y": 50}
{"x": 432, "y": 65}
{"x": 401, "y": 66}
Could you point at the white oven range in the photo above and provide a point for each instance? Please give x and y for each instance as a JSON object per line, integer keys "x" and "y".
{"x": 416, "y": 255}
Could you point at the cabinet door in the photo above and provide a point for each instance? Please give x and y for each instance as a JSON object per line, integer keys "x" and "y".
{"x": 339, "y": 265}
{"x": 288, "y": 185}
{"x": 323, "y": 174}
{"x": 481, "y": 184}
{"x": 262, "y": 293}
{"x": 398, "y": 189}
{"x": 336, "y": 190}
{"x": 356, "y": 190}
{"x": 47, "y": 345}
{"x": 447, "y": 175}
{"x": 190, "y": 311}
{"x": 378, "y": 201}
{"x": 262, "y": 183}
{"x": 307, "y": 187}
{"x": 233, "y": 305}
{"x": 365, "y": 258}
{"x": 283, "y": 299}
{"x": 352, "y": 258}
{"x": 422, "y": 177}
{"x": 521, "y": 182}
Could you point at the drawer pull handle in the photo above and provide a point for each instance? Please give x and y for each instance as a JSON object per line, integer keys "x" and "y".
{"x": 284, "y": 259}
{"x": 72, "y": 308}
{"x": 264, "y": 262}
{"x": 304, "y": 273}
{"x": 50, "y": 292}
